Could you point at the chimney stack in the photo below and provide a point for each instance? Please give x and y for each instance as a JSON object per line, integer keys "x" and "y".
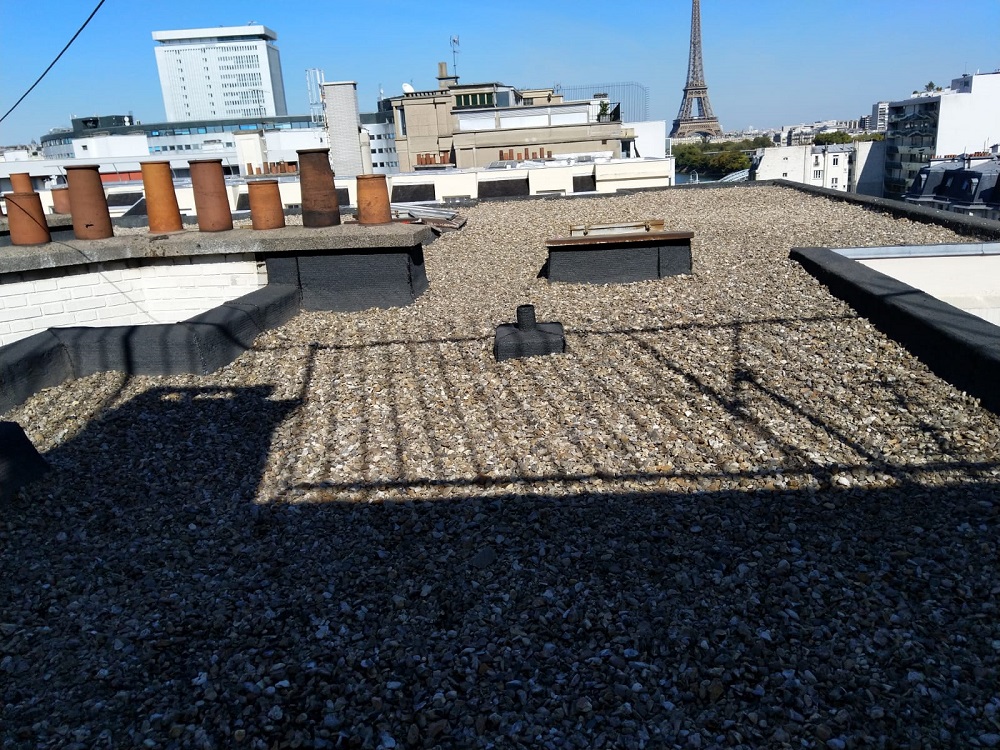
{"x": 445, "y": 81}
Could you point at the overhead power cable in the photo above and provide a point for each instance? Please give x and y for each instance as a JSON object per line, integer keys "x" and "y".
{"x": 78, "y": 31}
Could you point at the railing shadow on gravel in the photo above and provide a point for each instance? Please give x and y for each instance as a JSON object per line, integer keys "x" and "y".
{"x": 744, "y": 385}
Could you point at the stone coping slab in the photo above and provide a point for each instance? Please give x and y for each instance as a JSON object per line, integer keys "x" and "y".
{"x": 293, "y": 239}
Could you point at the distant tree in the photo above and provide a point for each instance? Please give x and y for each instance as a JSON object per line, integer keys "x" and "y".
{"x": 690, "y": 156}
{"x": 761, "y": 141}
{"x": 930, "y": 86}
{"x": 729, "y": 161}
{"x": 870, "y": 137}
{"x": 835, "y": 136}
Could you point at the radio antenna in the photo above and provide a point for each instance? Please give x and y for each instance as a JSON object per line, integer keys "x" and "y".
{"x": 454, "y": 55}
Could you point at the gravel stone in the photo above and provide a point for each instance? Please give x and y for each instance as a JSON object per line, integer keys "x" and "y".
{"x": 732, "y": 514}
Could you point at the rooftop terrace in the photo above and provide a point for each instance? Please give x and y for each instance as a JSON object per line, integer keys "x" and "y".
{"x": 732, "y": 514}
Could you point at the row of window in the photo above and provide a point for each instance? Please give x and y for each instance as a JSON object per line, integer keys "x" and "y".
{"x": 836, "y": 160}
{"x": 245, "y": 79}
{"x": 474, "y": 100}
{"x": 186, "y": 147}
{"x": 227, "y": 127}
{"x": 385, "y": 164}
{"x": 239, "y": 59}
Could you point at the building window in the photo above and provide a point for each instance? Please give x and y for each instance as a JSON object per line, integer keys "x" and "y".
{"x": 784, "y": 174}
{"x": 817, "y": 174}
{"x": 833, "y": 182}
{"x": 836, "y": 160}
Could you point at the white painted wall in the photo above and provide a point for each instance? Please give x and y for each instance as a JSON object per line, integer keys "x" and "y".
{"x": 111, "y": 147}
{"x": 810, "y": 165}
{"x": 650, "y": 138}
{"x": 970, "y": 121}
{"x": 783, "y": 163}
{"x": 251, "y": 149}
{"x": 382, "y": 147}
{"x": 282, "y": 144}
{"x": 124, "y": 293}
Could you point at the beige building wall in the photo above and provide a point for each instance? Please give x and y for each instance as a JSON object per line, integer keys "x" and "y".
{"x": 478, "y": 148}
{"x": 427, "y": 128}
{"x": 423, "y": 126}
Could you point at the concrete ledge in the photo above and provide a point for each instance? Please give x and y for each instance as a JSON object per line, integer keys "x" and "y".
{"x": 154, "y": 349}
{"x": 292, "y": 240}
{"x": 270, "y": 306}
{"x": 29, "y": 365}
{"x": 198, "y": 345}
{"x": 957, "y": 346}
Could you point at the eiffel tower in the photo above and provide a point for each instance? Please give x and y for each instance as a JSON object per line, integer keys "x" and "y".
{"x": 705, "y": 123}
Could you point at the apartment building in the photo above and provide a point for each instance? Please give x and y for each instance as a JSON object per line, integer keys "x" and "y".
{"x": 962, "y": 119}
{"x": 848, "y": 167}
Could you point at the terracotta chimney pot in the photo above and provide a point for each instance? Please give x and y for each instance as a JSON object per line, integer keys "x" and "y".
{"x": 26, "y": 219}
{"x": 211, "y": 200}
{"x": 373, "y": 199}
{"x": 266, "y": 211}
{"x": 87, "y": 203}
{"x": 320, "y": 207}
{"x": 161, "y": 201}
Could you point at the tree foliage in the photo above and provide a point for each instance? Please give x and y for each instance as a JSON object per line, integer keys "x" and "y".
{"x": 835, "y": 136}
{"x": 717, "y": 158}
{"x": 728, "y": 161}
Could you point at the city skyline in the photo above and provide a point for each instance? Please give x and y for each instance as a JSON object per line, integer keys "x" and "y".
{"x": 767, "y": 64}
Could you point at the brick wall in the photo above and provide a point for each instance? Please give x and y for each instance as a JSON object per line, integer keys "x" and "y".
{"x": 122, "y": 292}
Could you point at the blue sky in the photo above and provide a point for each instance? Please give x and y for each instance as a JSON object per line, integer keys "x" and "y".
{"x": 767, "y": 62}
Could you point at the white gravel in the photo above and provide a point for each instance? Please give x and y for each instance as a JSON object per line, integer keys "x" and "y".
{"x": 732, "y": 515}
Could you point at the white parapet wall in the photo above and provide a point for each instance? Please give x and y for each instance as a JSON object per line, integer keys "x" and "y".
{"x": 123, "y": 292}
{"x": 634, "y": 174}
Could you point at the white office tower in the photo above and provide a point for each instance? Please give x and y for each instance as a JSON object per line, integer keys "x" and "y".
{"x": 222, "y": 72}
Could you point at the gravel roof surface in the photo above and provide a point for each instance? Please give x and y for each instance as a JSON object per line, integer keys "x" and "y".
{"x": 733, "y": 514}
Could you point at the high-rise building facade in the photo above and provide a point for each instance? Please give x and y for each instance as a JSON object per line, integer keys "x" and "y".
{"x": 222, "y": 72}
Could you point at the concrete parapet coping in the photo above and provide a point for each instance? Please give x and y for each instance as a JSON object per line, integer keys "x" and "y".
{"x": 958, "y": 346}
{"x": 919, "y": 251}
{"x": 293, "y": 239}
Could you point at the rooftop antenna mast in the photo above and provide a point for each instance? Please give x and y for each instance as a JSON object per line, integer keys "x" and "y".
{"x": 454, "y": 55}
{"x": 315, "y": 79}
